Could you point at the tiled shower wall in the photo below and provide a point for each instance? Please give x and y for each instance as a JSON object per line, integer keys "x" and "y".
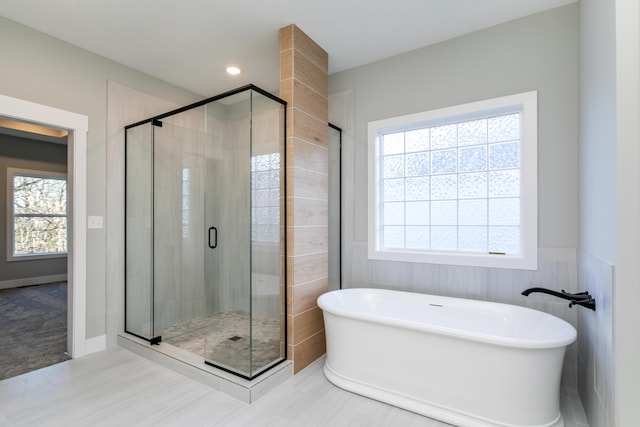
{"x": 304, "y": 85}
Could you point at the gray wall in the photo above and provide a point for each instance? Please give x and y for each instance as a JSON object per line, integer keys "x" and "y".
{"x": 539, "y": 52}
{"x": 45, "y": 70}
{"x": 609, "y": 210}
{"x": 598, "y": 157}
{"x": 598, "y": 206}
{"x": 16, "y": 152}
{"x": 534, "y": 53}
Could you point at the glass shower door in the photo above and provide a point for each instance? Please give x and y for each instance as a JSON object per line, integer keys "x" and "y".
{"x": 244, "y": 248}
{"x": 179, "y": 311}
{"x": 228, "y": 236}
{"x": 335, "y": 208}
{"x": 139, "y": 232}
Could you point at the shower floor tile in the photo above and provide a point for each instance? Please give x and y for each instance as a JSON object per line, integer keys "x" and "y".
{"x": 224, "y": 339}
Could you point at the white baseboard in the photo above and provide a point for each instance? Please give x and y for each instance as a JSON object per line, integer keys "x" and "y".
{"x": 92, "y": 345}
{"x": 30, "y": 281}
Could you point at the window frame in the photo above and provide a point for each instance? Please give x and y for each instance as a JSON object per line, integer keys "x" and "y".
{"x": 11, "y": 173}
{"x": 526, "y": 103}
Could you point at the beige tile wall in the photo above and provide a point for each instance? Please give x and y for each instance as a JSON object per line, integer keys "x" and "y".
{"x": 304, "y": 85}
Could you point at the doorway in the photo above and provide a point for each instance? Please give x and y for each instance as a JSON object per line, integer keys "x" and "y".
{"x": 77, "y": 126}
{"x": 33, "y": 256}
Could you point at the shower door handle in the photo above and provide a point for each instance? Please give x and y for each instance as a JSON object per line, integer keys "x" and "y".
{"x": 215, "y": 238}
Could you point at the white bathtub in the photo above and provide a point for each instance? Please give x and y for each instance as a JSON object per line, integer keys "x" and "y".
{"x": 464, "y": 362}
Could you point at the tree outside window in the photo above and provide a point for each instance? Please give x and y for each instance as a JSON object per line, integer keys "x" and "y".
{"x": 39, "y": 213}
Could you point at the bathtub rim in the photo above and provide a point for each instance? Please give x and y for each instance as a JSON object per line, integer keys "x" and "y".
{"x": 453, "y": 332}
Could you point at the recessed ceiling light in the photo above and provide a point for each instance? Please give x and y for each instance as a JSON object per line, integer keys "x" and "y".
{"x": 233, "y": 70}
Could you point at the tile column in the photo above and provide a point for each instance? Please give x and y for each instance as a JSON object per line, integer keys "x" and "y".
{"x": 304, "y": 85}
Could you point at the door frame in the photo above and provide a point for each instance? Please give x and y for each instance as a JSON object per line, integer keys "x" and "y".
{"x": 77, "y": 125}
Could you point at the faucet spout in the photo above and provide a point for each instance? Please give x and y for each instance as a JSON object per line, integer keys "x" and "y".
{"x": 579, "y": 298}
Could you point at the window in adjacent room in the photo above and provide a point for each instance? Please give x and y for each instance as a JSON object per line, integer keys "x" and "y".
{"x": 37, "y": 213}
{"x": 456, "y": 185}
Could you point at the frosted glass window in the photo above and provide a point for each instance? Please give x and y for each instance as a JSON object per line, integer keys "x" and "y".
{"x": 393, "y": 213}
{"x": 504, "y": 212}
{"x": 186, "y": 203}
{"x": 417, "y": 188}
{"x": 472, "y": 159}
{"x": 394, "y": 237}
{"x": 444, "y": 136}
{"x": 274, "y": 159}
{"x": 504, "y": 239}
{"x": 504, "y": 128}
{"x": 417, "y": 140}
{"x": 393, "y": 144}
{"x": 261, "y": 198}
{"x": 472, "y": 239}
{"x": 417, "y": 213}
{"x": 504, "y": 155}
{"x": 261, "y": 180}
{"x": 472, "y": 132}
{"x": 418, "y": 164}
{"x": 274, "y": 178}
{"x": 261, "y": 163}
{"x": 447, "y": 184}
{"x": 504, "y": 184}
{"x": 393, "y": 190}
{"x": 444, "y": 238}
{"x": 473, "y": 212}
{"x": 265, "y": 198}
{"x": 472, "y": 186}
{"x": 274, "y": 216}
{"x": 274, "y": 196}
{"x": 444, "y": 187}
{"x": 394, "y": 166}
{"x": 443, "y": 161}
{"x": 417, "y": 237}
{"x": 444, "y": 213}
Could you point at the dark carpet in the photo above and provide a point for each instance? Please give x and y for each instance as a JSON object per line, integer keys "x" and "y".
{"x": 33, "y": 328}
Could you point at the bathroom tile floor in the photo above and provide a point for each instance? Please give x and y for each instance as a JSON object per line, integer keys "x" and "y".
{"x": 118, "y": 388}
{"x": 230, "y": 339}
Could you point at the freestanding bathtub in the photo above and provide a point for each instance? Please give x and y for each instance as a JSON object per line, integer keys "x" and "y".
{"x": 464, "y": 362}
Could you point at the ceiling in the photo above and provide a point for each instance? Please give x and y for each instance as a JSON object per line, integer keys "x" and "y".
{"x": 190, "y": 42}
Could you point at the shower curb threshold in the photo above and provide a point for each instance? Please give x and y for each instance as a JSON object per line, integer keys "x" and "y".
{"x": 192, "y": 366}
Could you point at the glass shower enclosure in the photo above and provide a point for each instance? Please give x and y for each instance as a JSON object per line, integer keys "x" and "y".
{"x": 205, "y": 230}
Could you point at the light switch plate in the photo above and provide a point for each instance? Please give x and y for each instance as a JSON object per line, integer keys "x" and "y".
{"x": 94, "y": 222}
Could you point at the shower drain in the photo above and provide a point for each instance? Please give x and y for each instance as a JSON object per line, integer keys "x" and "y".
{"x": 235, "y": 338}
